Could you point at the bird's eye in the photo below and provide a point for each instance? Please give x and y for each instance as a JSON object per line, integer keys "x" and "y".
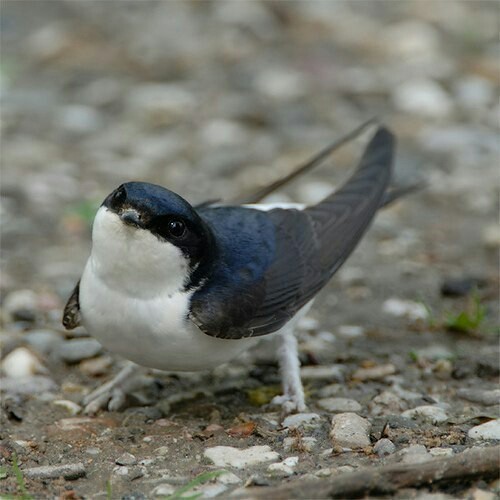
{"x": 176, "y": 228}
{"x": 119, "y": 196}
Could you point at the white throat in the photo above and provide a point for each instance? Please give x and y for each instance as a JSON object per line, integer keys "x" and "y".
{"x": 134, "y": 261}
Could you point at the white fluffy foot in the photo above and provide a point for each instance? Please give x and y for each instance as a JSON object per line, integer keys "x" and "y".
{"x": 288, "y": 358}
{"x": 114, "y": 394}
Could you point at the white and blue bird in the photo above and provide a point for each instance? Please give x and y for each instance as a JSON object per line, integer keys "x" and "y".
{"x": 179, "y": 288}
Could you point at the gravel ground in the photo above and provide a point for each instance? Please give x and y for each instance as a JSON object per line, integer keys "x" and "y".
{"x": 212, "y": 99}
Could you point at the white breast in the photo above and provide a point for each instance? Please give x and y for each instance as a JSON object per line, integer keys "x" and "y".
{"x": 131, "y": 300}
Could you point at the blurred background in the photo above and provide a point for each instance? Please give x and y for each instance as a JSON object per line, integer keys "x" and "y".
{"x": 212, "y": 99}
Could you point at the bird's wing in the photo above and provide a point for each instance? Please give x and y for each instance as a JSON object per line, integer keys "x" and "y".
{"x": 309, "y": 246}
{"x": 71, "y": 315}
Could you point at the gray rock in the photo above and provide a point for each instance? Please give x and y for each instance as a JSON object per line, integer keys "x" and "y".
{"x": 126, "y": 459}
{"x": 414, "y": 454}
{"x": 433, "y": 414}
{"x": 374, "y": 373}
{"x": 339, "y": 405}
{"x": 384, "y": 447}
{"x": 350, "y": 430}
{"x": 73, "y": 351}
{"x": 67, "y": 471}
{"x": 227, "y": 456}
{"x": 487, "y": 398}
{"x": 36, "y": 385}
{"x": 21, "y": 305}
{"x": 44, "y": 341}
{"x": 302, "y": 420}
{"x": 488, "y": 430}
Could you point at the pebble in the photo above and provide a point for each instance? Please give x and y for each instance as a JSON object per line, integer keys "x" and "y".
{"x": 491, "y": 236}
{"x": 474, "y": 92}
{"x": 386, "y": 403}
{"x": 339, "y": 405}
{"x": 487, "y": 398}
{"x": 330, "y": 390}
{"x": 350, "y": 331}
{"x": 325, "y": 372}
{"x": 43, "y": 341}
{"x": 350, "y": 431}
{"x": 281, "y": 84}
{"x": 374, "y": 373}
{"x": 35, "y": 384}
{"x": 20, "y": 363}
{"x": 95, "y": 367}
{"x": 21, "y": 305}
{"x": 228, "y": 478}
{"x": 285, "y": 468}
{"x": 432, "y": 414}
{"x": 79, "y": 119}
{"x": 302, "y": 420}
{"x": 434, "y": 352}
{"x": 71, "y": 407}
{"x": 459, "y": 287}
{"x": 164, "y": 490}
{"x": 67, "y": 471}
{"x": 414, "y": 454}
{"x": 384, "y": 447}
{"x": 479, "y": 494}
{"x": 424, "y": 97}
{"x": 407, "y": 308}
{"x": 488, "y": 430}
{"x": 126, "y": 459}
{"x": 73, "y": 351}
{"x": 224, "y": 456}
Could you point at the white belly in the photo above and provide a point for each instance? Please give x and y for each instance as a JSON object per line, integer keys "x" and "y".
{"x": 152, "y": 331}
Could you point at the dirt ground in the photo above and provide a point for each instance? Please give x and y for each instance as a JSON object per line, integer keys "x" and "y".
{"x": 213, "y": 99}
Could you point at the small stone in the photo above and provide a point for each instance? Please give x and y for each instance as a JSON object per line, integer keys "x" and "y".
{"x": 350, "y": 331}
{"x": 20, "y": 363}
{"x": 21, "y": 305}
{"x": 79, "y": 119}
{"x": 71, "y": 407}
{"x": 459, "y": 287}
{"x": 473, "y": 92}
{"x": 93, "y": 451}
{"x": 308, "y": 324}
{"x": 491, "y": 236}
{"x": 126, "y": 459}
{"x": 43, "y": 341}
{"x": 487, "y": 398}
{"x": 478, "y": 494}
{"x": 67, "y": 471}
{"x": 374, "y": 373}
{"x": 330, "y": 390}
{"x": 73, "y": 351}
{"x": 434, "y": 353}
{"x": 488, "y": 430}
{"x": 331, "y": 372}
{"x": 164, "y": 490}
{"x": 414, "y": 454}
{"x": 339, "y": 405}
{"x": 423, "y": 97}
{"x": 408, "y": 308}
{"x": 223, "y": 456}
{"x": 433, "y": 414}
{"x": 285, "y": 468}
{"x": 350, "y": 430}
{"x": 34, "y": 385}
{"x": 387, "y": 403}
{"x": 281, "y": 84}
{"x": 384, "y": 447}
{"x": 95, "y": 367}
{"x": 302, "y": 420}
{"x": 228, "y": 478}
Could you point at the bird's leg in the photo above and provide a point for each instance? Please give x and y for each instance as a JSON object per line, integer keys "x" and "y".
{"x": 288, "y": 358}
{"x": 113, "y": 394}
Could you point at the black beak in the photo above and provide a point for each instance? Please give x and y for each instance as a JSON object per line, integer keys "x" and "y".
{"x": 131, "y": 217}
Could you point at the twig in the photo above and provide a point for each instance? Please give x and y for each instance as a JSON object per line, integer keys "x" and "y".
{"x": 387, "y": 479}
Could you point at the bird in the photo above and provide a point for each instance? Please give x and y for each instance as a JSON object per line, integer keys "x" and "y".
{"x": 178, "y": 287}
